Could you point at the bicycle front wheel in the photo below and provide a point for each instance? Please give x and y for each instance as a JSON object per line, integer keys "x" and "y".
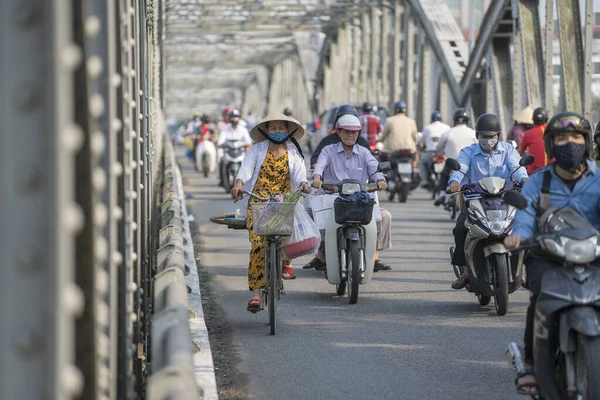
{"x": 274, "y": 267}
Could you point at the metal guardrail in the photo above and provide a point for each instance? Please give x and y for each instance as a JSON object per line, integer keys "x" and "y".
{"x": 173, "y": 363}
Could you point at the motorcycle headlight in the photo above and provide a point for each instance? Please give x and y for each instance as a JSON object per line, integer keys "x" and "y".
{"x": 350, "y": 188}
{"x": 497, "y": 221}
{"x": 573, "y": 250}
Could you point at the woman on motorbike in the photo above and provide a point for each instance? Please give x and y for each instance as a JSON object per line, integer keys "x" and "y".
{"x": 274, "y": 165}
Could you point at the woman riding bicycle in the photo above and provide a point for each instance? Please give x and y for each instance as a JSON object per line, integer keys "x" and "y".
{"x": 274, "y": 165}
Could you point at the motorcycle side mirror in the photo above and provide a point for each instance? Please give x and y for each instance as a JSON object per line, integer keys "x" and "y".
{"x": 385, "y": 166}
{"x": 515, "y": 199}
{"x": 527, "y": 160}
{"x": 453, "y": 164}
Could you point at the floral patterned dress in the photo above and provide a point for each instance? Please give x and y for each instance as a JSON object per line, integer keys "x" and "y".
{"x": 273, "y": 178}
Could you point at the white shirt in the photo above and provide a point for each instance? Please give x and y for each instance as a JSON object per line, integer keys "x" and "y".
{"x": 432, "y": 134}
{"x": 454, "y": 140}
{"x": 239, "y": 133}
{"x": 253, "y": 161}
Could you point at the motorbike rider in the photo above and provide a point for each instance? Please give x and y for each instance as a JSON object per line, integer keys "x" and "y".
{"x": 224, "y": 118}
{"x": 400, "y": 132}
{"x": 347, "y": 160}
{"x": 430, "y": 137}
{"x": 288, "y": 112}
{"x": 533, "y": 140}
{"x": 572, "y": 180}
{"x": 596, "y": 145}
{"x": 344, "y": 109}
{"x": 274, "y": 165}
{"x": 451, "y": 143}
{"x": 523, "y": 122}
{"x": 488, "y": 157}
{"x": 371, "y": 124}
{"x": 235, "y": 132}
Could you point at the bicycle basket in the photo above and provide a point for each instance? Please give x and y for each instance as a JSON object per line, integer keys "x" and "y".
{"x": 351, "y": 212}
{"x": 273, "y": 219}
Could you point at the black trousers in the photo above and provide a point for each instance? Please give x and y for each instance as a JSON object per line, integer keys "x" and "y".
{"x": 444, "y": 176}
{"x": 460, "y": 235}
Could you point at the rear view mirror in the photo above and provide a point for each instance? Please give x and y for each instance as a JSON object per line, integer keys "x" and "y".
{"x": 527, "y": 160}
{"x": 515, "y": 199}
{"x": 453, "y": 164}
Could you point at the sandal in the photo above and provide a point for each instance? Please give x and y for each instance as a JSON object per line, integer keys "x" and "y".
{"x": 316, "y": 264}
{"x": 523, "y": 386}
{"x": 287, "y": 273}
{"x": 380, "y": 266}
{"x": 254, "y": 306}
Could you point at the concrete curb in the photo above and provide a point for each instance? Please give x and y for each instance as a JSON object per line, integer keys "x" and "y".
{"x": 204, "y": 369}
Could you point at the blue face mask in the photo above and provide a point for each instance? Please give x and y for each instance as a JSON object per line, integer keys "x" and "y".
{"x": 278, "y": 136}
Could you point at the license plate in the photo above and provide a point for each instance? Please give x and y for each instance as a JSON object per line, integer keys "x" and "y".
{"x": 405, "y": 168}
{"x": 438, "y": 167}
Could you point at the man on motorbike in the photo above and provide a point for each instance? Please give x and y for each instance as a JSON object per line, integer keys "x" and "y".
{"x": 533, "y": 140}
{"x": 400, "y": 132}
{"x": 450, "y": 144}
{"x": 347, "y": 160}
{"x": 573, "y": 181}
{"x": 429, "y": 140}
{"x": 235, "y": 132}
{"x": 371, "y": 124}
{"x": 488, "y": 157}
{"x": 344, "y": 109}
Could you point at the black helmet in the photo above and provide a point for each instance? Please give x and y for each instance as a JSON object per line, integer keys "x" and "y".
{"x": 400, "y": 107}
{"x": 287, "y": 111}
{"x": 597, "y": 132}
{"x": 487, "y": 125}
{"x": 461, "y": 116}
{"x": 204, "y": 118}
{"x": 540, "y": 116}
{"x": 367, "y": 107}
{"x": 235, "y": 113}
{"x": 436, "y": 116}
{"x": 344, "y": 109}
{"x": 566, "y": 122}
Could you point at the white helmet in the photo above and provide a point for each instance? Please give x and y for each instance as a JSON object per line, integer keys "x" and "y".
{"x": 348, "y": 122}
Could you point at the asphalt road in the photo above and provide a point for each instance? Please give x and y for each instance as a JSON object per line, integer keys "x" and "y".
{"x": 410, "y": 336}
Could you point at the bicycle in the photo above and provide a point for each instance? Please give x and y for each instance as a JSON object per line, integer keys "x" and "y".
{"x": 263, "y": 216}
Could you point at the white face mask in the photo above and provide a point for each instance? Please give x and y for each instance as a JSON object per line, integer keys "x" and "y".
{"x": 488, "y": 144}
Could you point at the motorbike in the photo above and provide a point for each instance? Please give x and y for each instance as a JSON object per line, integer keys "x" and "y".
{"x": 206, "y": 157}
{"x": 401, "y": 179}
{"x": 351, "y": 236}
{"x": 567, "y": 316}
{"x": 233, "y": 155}
{"x": 435, "y": 170}
{"x": 493, "y": 271}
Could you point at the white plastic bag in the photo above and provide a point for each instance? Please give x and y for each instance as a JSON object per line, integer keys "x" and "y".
{"x": 305, "y": 238}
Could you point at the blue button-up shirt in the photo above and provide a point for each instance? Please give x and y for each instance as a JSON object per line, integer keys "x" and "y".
{"x": 585, "y": 198}
{"x": 334, "y": 165}
{"x": 478, "y": 165}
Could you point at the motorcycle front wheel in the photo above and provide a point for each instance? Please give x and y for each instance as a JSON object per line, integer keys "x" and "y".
{"x": 587, "y": 366}
{"x": 353, "y": 272}
{"x": 500, "y": 272}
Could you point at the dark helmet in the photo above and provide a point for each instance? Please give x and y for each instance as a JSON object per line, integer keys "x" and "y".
{"x": 566, "y": 122}
{"x": 436, "y": 116}
{"x": 461, "y": 116}
{"x": 367, "y": 107}
{"x": 597, "y": 132}
{"x": 204, "y": 118}
{"x": 288, "y": 111}
{"x": 235, "y": 113}
{"x": 540, "y": 116}
{"x": 487, "y": 125}
{"x": 400, "y": 107}
{"x": 344, "y": 109}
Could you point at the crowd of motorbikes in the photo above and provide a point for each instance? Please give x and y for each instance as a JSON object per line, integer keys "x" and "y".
{"x": 567, "y": 321}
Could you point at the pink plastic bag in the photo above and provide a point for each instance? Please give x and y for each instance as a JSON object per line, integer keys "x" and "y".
{"x": 305, "y": 238}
